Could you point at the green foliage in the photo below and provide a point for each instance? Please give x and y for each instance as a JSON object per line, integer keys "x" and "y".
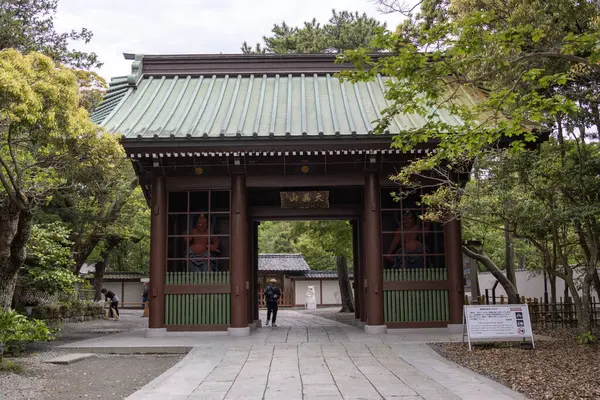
{"x": 47, "y": 134}
{"x": 49, "y": 246}
{"x": 536, "y": 65}
{"x": 318, "y": 241}
{"x": 11, "y": 366}
{"x": 68, "y": 309}
{"x": 28, "y": 26}
{"x": 52, "y": 280}
{"x": 345, "y": 30}
{"x": 586, "y": 338}
{"x": 49, "y": 259}
{"x": 16, "y": 329}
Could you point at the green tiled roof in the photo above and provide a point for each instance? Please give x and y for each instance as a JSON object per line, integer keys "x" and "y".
{"x": 296, "y": 105}
{"x": 117, "y": 89}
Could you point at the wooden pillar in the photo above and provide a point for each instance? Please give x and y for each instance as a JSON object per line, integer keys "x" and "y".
{"x": 255, "y": 272}
{"x": 250, "y": 273}
{"x": 356, "y": 266}
{"x": 374, "y": 270}
{"x": 362, "y": 268}
{"x": 453, "y": 243}
{"x": 158, "y": 251}
{"x": 239, "y": 252}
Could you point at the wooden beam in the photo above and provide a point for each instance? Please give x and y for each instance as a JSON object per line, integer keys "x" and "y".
{"x": 273, "y": 213}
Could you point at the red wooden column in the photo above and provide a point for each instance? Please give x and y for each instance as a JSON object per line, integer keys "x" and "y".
{"x": 158, "y": 255}
{"x": 255, "y": 276}
{"x": 356, "y": 267}
{"x": 239, "y": 256}
{"x": 361, "y": 274}
{"x": 454, "y": 263}
{"x": 250, "y": 275}
{"x": 374, "y": 269}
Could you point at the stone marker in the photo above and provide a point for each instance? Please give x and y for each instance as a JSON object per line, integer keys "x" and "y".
{"x": 70, "y": 358}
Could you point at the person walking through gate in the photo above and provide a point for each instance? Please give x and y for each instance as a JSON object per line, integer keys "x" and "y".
{"x": 272, "y": 294}
{"x": 114, "y": 303}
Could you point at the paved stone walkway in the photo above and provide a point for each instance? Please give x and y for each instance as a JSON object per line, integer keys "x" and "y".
{"x": 309, "y": 357}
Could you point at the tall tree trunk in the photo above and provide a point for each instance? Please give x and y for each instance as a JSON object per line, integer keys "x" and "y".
{"x": 111, "y": 243}
{"x": 509, "y": 288}
{"x": 509, "y": 250}
{"x": 15, "y": 227}
{"x": 583, "y": 310}
{"x": 596, "y": 281}
{"x": 344, "y": 281}
{"x": 98, "y": 279}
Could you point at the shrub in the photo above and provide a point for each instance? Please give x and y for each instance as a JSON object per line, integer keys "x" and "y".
{"x": 16, "y": 329}
{"x": 587, "y": 338}
{"x": 52, "y": 280}
{"x": 11, "y": 366}
{"x": 68, "y": 309}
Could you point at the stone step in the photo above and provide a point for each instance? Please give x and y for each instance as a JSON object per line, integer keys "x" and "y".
{"x": 70, "y": 358}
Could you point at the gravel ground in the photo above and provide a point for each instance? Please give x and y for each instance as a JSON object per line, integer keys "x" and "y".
{"x": 332, "y": 313}
{"x": 106, "y": 376}
{"x": 557, "y": 369}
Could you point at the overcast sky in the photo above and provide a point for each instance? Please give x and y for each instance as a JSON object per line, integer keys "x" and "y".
{"x": 189, "y": 26}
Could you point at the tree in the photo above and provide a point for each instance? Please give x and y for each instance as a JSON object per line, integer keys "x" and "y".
{"x": 538, "y": 64}
{"x": 28, "y": 26}
{"x": 92, "y": 209}
{"x": 44, "y": 133}
{"x": 131, "y": 225}
{"x": 344, "y": 31}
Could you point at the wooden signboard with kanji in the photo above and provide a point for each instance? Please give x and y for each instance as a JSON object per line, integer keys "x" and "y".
{"x": 308, "y": 199}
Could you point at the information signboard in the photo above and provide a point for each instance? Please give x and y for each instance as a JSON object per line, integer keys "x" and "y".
{"x": 504, "y": 322}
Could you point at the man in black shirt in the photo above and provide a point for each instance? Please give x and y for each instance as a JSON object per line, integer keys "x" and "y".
{"x": 114, "y": 302}
{"x": 272, "y": 294}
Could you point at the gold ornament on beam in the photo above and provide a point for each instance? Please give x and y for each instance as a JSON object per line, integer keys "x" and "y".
{"x": 305, "y": 169}
{"x": 199, "y": 171}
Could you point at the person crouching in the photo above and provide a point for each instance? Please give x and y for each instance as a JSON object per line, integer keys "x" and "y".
{"x": 109, "y": 296}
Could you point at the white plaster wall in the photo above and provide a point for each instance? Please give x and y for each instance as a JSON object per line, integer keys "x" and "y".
{"x": 133, "y": 293}
{"x": 331, "y": 292}
{"x": 302, "y": 288}
{"x": 114, "y": 287}
{"x": 529, "y": 284}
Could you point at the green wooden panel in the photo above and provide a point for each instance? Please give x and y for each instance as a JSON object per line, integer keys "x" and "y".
{"x": 197, "y": 309}
{"x": 416, "y": 305}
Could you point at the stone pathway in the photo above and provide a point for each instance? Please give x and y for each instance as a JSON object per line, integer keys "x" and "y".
{"x": 309, "y": 357}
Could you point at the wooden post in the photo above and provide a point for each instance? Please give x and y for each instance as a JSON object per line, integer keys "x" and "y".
{"x": 158, "y": 251}
{"x": 361, "y": 273}
{"x": 250, "y": 274}
{"x": 255, "y": 296}
{"x": 374, "y": 270}
{"x": 355, "y": 268}
{"x": 452, "y": 238}
{"x": 239, "y": 254}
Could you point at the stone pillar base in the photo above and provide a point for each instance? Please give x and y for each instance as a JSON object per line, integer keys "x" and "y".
{"x": 375, "y": 329}
{"x": 252, "y": 325}
{"x": 455, "y": 328}
{"x": 360, "y": 324}
{"x": 155, "y": 332}
{"x": 245, "y": 331}
{"x": 258, "y": 323}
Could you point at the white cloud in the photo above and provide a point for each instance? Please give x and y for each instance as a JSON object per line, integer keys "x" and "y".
{"x": 189, "y": 26}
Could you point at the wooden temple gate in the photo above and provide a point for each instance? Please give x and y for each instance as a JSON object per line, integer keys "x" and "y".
{"x": 221, "y": 143}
